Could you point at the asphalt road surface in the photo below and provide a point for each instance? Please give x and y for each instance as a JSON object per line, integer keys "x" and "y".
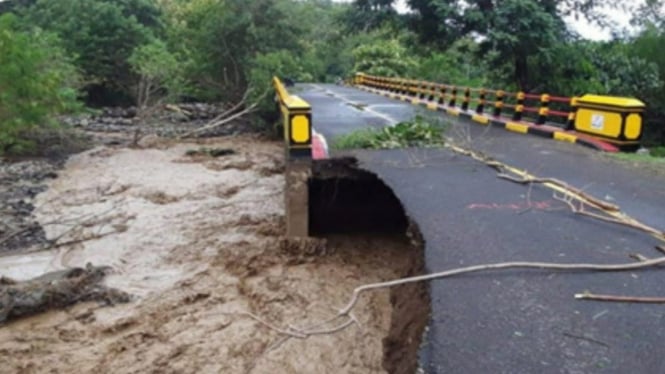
{"x": 517, "y": 321}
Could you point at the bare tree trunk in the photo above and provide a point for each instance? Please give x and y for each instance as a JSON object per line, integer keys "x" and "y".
{"x": 522, "y": 73}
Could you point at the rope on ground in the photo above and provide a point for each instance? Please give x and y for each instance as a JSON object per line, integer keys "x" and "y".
{"x": 345, "y": 314}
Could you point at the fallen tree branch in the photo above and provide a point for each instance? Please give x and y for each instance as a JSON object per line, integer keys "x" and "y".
{"x": 233, "y": 108}
{"x": 218, "y": 123}
{"x": 620, "y": 299}
{"x": 14, "y": 234}
{"x": 613, "y": 212}
{"x": 586, "y": 338}
{"x": 639, "y": 257}
{"x": 223, "y": 121}
{"x": 624, "y": 221}
{"x": 574, "y": 190}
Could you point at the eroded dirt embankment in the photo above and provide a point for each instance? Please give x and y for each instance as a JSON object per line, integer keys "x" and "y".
{"x": 197, "y": 241}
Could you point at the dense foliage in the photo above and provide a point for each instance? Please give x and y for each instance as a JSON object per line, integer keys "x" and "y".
{"x": 37, "y": 81}
{"x": 144, "y": 52}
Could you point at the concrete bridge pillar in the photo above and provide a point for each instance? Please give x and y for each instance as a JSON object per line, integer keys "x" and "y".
{"x": 298, "y": 173}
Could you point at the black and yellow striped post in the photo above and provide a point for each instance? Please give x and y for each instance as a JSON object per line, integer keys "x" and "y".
{"x": 498, "y": 104}
{"x": 544, "y": 110}
{"x": 432, "y": 92}
{"x": 453, "y": 97}
{"x": 573, "y": 113}
{"x": 519, "y": 107}
{"x": 480, "y": 109}
{"x": 467, "y": 99}
{"x": 442, "y": 96}
{"x": 358, "y": 79}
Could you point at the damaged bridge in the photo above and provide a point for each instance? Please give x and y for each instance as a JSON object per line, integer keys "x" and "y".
{"x": 465, "y": 204}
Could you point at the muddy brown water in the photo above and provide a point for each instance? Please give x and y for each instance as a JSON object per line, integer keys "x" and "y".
{"x": 197, "y": 241}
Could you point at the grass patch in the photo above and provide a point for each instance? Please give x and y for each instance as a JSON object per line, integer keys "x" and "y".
{"x": 657, "y": 157}
{"x": 415, "y": 133}
{"x": 657, "y": 152}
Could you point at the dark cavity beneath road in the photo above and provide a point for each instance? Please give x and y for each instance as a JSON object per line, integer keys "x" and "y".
{"x": 516, "y": 321}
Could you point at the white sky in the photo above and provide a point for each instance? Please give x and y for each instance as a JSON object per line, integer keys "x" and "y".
{"x": 583, "y": 27}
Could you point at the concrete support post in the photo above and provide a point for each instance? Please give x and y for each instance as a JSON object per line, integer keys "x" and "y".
{"x": 298, "y": 173}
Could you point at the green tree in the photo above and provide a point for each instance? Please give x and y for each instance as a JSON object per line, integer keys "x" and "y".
{"x": 161, "y": 75}
{"x": 367, "y": 15}
{"x": 221, "y": 39}
{"x": 452, "y": 66}
{"x": 101, "y": 35}
{"x": 648, "y": 46}
{"x": 514, "y": 31}
{"x": 384, "y": 58}
{"x": 515, "y": 37}
{"x": 37, "y": 81}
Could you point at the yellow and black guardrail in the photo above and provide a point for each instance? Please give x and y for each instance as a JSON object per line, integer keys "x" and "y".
{"x": 297, "y": 121}
{"x": 603, "y": 122}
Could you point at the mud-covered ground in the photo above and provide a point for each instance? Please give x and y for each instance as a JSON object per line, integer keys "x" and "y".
{"x": 21, "y": 180}
{"x": 197, "y": 242}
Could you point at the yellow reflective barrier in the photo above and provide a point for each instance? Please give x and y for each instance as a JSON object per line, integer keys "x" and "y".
{"x": 297, "y": 121}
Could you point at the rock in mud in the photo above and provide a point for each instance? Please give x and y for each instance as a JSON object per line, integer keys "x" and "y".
{"x": 20, "y": 182}
{"x": 56, "y": 290}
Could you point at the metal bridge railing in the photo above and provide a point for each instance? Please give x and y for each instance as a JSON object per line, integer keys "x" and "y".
{"x": 613, "y": 119}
